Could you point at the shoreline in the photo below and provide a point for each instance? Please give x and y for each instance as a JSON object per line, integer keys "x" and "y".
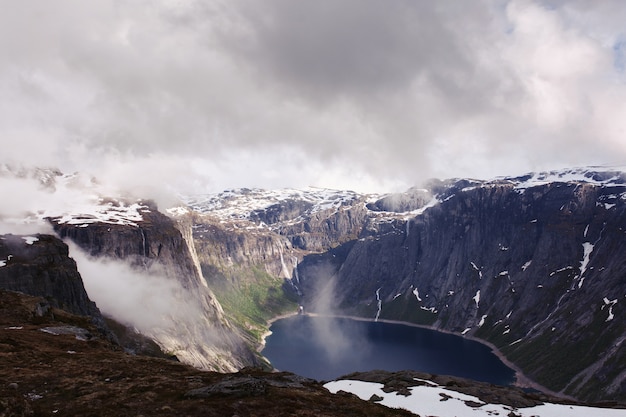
{"x": 521, "y": 380}
{"x": 265, "y": 335}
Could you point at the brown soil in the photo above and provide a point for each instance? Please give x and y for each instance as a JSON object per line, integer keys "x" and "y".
{"x": 43, "y": 374}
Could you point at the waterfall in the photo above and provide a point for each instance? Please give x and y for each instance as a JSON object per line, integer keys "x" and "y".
{"x": 145, "y": 249}
{"x": 380, "y": 303}
{"x": 284, "y": 269}
{"x": 187, "y": 234}
{"x": 295, "y": 270}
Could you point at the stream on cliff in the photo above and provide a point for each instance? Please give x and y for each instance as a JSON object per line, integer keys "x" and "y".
{"x": 325, "y": 348}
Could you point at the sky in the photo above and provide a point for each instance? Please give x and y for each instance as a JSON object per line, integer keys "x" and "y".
{"x": 369, "y": 95}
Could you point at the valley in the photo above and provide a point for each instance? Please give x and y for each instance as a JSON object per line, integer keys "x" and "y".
{"x": 529, "y": 265}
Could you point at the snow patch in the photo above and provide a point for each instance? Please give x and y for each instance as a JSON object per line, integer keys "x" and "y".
{"x": 526, "y": 265}
{"x": 380, "y": 304}
{"x": 100, "y": 212}
{"x": 480, "y": 274}
{"x": 482, "y": 321}
{"x": 476, "y": 298}
{"x": 560, "y": 270}
{"x": 587, "y": 249}
{"x": 30, "y": 239}
{"x": 416, "y": 293}
{"x": 466, "y": 330}
{"x": 609, "y": 303}
{"x": 426, "y": 400}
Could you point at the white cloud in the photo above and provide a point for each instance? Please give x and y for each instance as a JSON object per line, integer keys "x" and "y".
{"x": 207, "y": 94}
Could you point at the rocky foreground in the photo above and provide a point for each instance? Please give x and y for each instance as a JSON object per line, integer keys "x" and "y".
{"x": 53, "y": 363}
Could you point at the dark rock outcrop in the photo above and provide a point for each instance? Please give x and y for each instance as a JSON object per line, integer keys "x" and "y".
{"x": 40, "y": 265}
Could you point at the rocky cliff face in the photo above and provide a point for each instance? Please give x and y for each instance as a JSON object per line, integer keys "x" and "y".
{"x": 194, "y": 328}
{"x": 40, "y": 265}
{"x": 529, "y": 264}
{"x": 532, "y": 265}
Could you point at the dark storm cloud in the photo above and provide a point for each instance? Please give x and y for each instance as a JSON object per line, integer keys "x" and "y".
{"x": 286, "y": 93}
{"x": 331, "y": 48}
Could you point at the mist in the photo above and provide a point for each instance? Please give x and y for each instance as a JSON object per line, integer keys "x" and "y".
{"x": 337, "y": 343}
{"x": 160, "y": 308}
{"x": 145, "y": 300}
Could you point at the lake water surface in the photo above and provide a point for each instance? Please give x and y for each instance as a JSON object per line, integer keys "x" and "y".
{"x": 325, "y": 348}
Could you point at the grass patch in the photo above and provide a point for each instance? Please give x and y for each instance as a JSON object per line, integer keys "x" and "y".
{"x": 251, "y": 299}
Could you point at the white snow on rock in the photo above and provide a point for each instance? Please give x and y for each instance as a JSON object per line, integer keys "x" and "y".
{"x": 3, "y": 263}
{"x": 560, "y": 270}
{"x": 109, "y": 212}
{"x": 30, "y": 239}
{"x": 609, "y": 303}
{"x": 477, "y": 269}
{"x": 526, "y": 265}
{"x": 601, "y": 176}
{"x": 240, "y": 203}
{"x": 476, "y": 298}
{"x": 427, "y": 400}
{"x": 416, "y": 293}
{"x": 482, "y": 321}
{"x": 587, "y": 249}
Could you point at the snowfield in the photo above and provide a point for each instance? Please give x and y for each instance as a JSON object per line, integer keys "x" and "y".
{"x": 434, "y": 400}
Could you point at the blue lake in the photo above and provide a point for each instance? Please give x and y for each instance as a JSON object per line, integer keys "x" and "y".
{"x": 325, "y": 348}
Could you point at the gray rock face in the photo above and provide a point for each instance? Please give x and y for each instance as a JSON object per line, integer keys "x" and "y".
{"x": 154, "y": 245}
{"x": 537, "y": 271}
{"x": 531, "y": 264}
{"x": 40, "y": 265}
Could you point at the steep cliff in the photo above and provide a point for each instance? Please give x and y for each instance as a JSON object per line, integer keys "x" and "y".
{"x": 531, "y": 264}
{"x": 40, "y": 265}
{"x": 249, "y": 242}
{"x": 193, "y": 326}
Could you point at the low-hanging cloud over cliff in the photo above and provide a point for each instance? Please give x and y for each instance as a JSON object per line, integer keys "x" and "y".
{"x": 205, "y": 95}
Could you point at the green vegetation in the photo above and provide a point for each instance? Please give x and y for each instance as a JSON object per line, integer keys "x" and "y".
{"x": 251, "y": 299}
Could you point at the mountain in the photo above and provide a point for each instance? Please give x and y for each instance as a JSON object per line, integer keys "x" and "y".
{"x": 529, "y": 264}
{"x": 194, "y": 328}
{"x": 135, "y": 263}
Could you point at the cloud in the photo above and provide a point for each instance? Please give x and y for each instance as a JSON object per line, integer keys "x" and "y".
{"x": 146, "y": 301}
{"x": 158, "y": 306}
{"x": 204, "y": 94}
